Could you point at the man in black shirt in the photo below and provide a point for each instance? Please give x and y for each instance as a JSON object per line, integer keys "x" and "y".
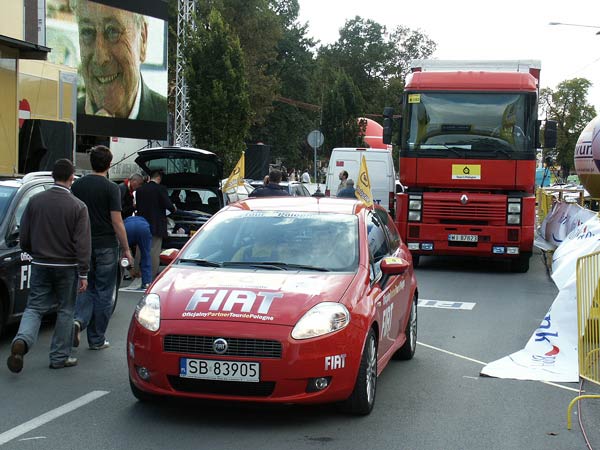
{"x": 272, "y": 188}
{"x": 127, "y": 188}
{"x": 103, "y": 200}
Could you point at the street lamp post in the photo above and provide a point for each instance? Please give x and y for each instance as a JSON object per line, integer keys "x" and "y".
{"x": 576, "y": 25}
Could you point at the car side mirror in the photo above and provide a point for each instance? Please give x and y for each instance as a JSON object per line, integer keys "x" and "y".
{"x": 394, "y": 266}
{"x": 168, "y": 256}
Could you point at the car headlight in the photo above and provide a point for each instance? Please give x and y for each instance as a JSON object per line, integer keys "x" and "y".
{"x": 147, "y": 312}
{"x": 321, "y": 319}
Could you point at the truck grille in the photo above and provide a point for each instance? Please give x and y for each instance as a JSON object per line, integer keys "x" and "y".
{"x": 475, "y": 212}
{"x": 203, "y": 345}
{"x": 233, "y": 388}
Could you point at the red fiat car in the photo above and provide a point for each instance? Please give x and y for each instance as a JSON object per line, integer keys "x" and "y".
{"x": 291, "y": 300}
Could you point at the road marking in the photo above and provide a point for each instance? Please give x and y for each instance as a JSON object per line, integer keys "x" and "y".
{"x": 425, "y": 303}
{"x": 49, "y": 416}
{"x": 485, "y": 364}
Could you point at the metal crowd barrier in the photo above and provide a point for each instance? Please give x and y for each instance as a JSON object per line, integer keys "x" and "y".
{"x": 588, "y": 324}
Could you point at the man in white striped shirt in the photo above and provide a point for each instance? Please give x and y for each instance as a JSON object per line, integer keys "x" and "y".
{"x": 55, "y": 231}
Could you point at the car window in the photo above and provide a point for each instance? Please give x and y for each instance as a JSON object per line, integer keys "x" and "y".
{"x": 279, "y": 237}
{"x": 24, "y": 201}
{"x": 6, "y": 195}
{"x": 390, "y": 228}
{"x": 378, "y": 244}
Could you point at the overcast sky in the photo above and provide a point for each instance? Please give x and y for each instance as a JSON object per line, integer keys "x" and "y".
{"x": 469, "y": 29}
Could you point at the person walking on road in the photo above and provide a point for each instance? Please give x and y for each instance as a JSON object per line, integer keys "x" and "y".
{"x": 55, "y": 231}
{"x": 102, "y": 197}
{"x": 138, "y": 233}
{"x": 152, "y": 202}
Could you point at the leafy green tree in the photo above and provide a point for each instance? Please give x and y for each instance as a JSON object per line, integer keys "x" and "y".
{"x": 217, "y": 88}
{"x": 343, "y": 104}
{"x": 567, "y": 105}
{"x": 294, "y": 113}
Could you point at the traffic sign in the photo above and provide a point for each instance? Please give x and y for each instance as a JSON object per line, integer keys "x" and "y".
{"x": 315, "y": 139}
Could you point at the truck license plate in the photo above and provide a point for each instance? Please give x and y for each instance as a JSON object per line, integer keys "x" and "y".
{"x": 463, "y": 237}
{"x": 209, "y": 369}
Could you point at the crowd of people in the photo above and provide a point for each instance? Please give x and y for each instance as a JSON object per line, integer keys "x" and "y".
{"x": 75, "y": 261}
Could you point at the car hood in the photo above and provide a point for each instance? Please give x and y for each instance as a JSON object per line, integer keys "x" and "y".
{"x": 182, "y": 166}
{"x": 189, "y": 293}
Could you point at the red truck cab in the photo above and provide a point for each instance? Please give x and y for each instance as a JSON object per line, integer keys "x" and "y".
{"x": 468, "y": 143}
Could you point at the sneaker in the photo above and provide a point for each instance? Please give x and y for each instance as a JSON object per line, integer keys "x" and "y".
{"x": 76, "y": 333}
{"x": 145, "y": 286}
{"x": 17, "y": 351}
{"x": 69, "y": 362}
{"x": 102, "y": 346}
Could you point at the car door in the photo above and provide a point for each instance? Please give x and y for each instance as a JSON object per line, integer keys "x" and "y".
{"x": 20, "y": 259}
{"x": 381, "y": 291}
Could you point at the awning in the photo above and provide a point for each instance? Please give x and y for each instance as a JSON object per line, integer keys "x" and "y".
{"x": 27, "y": 50}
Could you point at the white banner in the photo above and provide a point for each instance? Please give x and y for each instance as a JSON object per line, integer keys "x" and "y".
{"x": 560, "y": 221}
{"x": 551, "y": 353}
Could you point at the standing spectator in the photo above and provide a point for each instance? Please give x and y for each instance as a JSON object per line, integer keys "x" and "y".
{"x": 152, "y": 202}
{"x": 271, "y": 187}
{"x": 343, "y": 176}
{"x": 127, "y": 188}
{"x": 61, "y": 255}
{"x": 305, "y": 176}
{"x": 348, "y": 191}
{"x": 139, "y": 234}
{"x": 102, "y": 197}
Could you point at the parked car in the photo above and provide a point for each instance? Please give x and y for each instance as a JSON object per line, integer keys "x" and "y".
{"x": 241, "y": 193}
{"x": 192, "y": 177}
{"x": 294, "y": 188}
{"x": 15, "y": 264}
{"x": 256, "y": 308}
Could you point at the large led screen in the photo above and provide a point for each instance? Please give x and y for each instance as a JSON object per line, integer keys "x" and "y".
{"x": 121, "y": 58}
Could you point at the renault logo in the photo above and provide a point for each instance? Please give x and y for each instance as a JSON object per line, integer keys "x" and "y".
{"x": 464, "y": 199}
{"x": 220, "y": 346}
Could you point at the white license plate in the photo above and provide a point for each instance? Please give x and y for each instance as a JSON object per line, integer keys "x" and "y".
{"x": 463, "y": 237}
{"x": 211, "y": 369}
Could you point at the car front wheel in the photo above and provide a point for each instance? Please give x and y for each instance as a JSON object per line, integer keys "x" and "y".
{"x": 363, "y": 397}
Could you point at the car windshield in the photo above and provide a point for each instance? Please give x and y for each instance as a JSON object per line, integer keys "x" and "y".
{"x": 465, "y": 123}
{"x": 277, "y": 241}
{"x": 6, "y": 195}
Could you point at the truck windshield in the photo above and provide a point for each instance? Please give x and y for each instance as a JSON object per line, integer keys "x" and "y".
{"x": 469, "y": 123}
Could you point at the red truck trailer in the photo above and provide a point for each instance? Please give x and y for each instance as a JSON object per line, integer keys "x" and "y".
{"x": 469, "y": 134}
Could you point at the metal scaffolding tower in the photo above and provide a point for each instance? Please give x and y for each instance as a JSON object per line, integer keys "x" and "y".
{"x": 183, "y": 134}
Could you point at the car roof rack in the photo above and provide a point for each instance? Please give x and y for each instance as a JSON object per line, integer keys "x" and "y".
{"x": 32, "y": 175}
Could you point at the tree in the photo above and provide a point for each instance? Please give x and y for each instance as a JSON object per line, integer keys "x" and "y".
{"x": 569, "y": 107}
{"x": 217, "y": 88}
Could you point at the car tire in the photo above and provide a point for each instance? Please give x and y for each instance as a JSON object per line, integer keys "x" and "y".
{"x": 520, "y": 264}
{"x": 362, "y": 400}
{"x": 142, "y": 396}
{"x": 407, "y": 351}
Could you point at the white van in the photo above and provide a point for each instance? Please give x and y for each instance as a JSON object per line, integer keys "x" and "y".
{"x": 380, "y": 165}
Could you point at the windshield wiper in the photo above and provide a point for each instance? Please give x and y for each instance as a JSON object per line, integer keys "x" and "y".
{"x": 453, "y": 148}
{"x": 201, "y": 262}
{"x": 274, "y": 265}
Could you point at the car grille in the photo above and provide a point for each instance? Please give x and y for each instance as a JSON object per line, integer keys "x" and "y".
{"x": 232, "y": 388}
{"x": 203, "y": 345}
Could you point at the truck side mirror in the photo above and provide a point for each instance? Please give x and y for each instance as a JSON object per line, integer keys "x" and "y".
{"x": 388, "y": 124}
{"x": 550, "y": 134}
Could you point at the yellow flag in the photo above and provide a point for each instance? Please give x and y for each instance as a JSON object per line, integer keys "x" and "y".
{"x": 237, "y": 176}
{"x": 363, "y": 184}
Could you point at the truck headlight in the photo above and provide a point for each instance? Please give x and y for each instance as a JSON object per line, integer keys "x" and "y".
{"x": 514, "y": 208}
{"x": 414, "y": 204}
{"x": 513, "y": 219}
{"x": 147, "y": 312}
{"x": 321, "y": 319}
{"x": 414, "y": 216}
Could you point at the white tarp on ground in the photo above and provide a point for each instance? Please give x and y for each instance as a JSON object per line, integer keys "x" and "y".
{"x": 551, "y": 353}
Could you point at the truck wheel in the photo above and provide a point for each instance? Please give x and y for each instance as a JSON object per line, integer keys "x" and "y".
{"x": 520, "y": 264}
{"x": 407, "y": 351}
{"x": 363, "y": 396}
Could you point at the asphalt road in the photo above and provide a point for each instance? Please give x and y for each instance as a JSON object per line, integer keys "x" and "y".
{"x": 436, "y": 401}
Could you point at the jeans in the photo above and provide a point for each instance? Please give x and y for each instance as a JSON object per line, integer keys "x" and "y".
{"x": 50, "y": 285}
{"x": 94, "y": 306}
{"x": 138, "y": 233}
